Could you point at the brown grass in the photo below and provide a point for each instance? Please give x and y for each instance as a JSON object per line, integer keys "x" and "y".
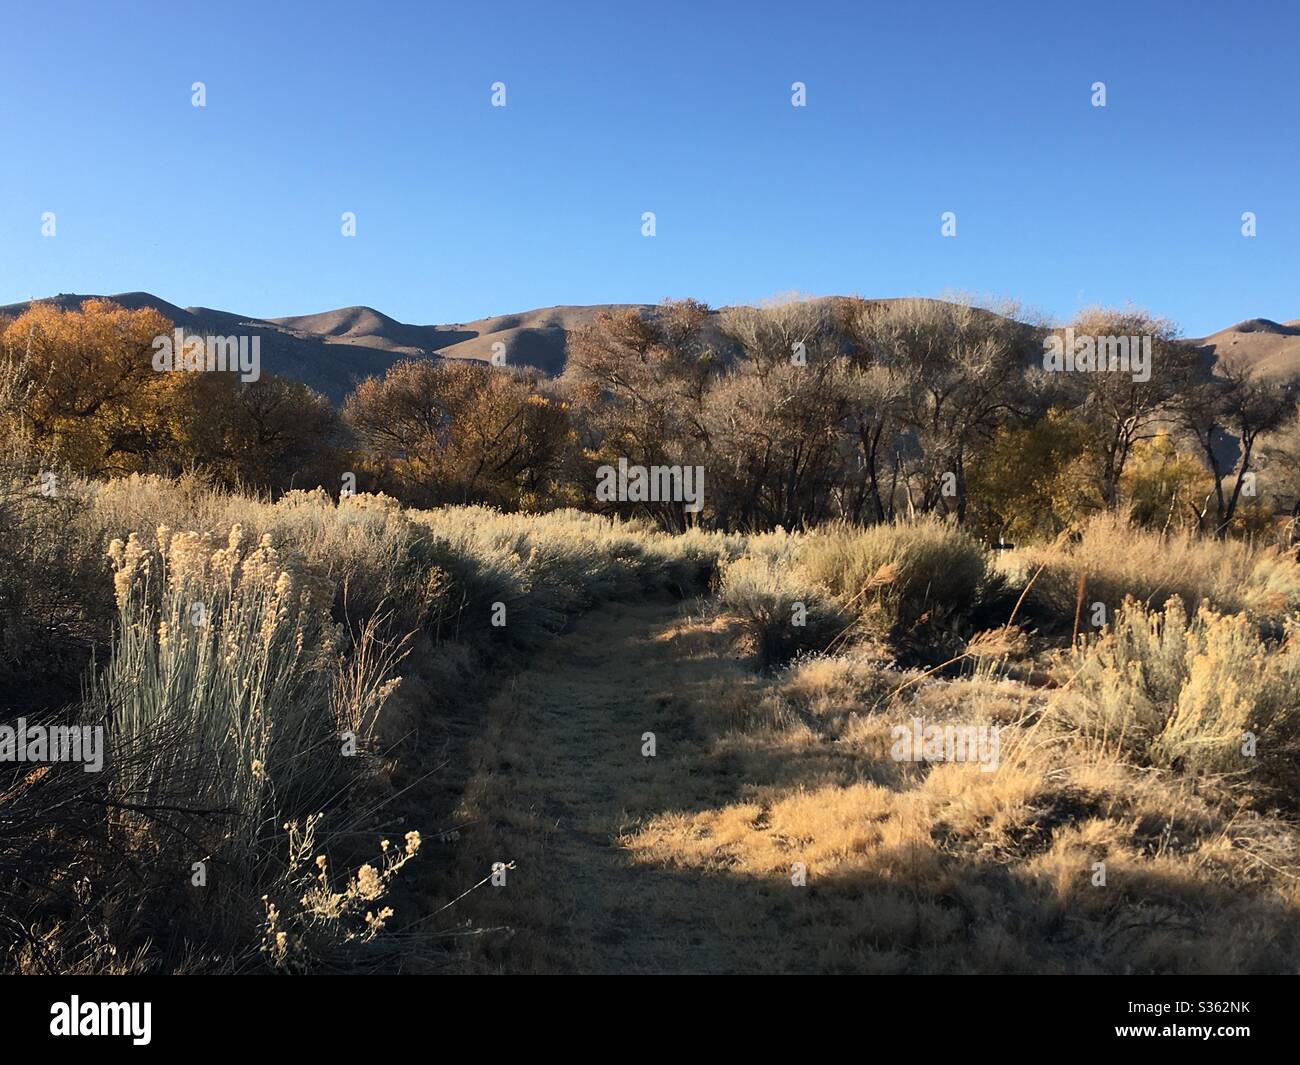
{"x": 684, "y": 862}
{"x": 1122, "y": 750}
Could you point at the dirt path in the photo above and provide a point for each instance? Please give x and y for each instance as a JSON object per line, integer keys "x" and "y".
{"x": 561, "y": 778}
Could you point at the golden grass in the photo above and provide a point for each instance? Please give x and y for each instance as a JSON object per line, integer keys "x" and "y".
{"x": 900, "y": 574}
{"x": 1078, "y": 853}
{"x": 1113, "y": 559}
{"x": 1206, "y": 695}
{"x": 685, "y": 862}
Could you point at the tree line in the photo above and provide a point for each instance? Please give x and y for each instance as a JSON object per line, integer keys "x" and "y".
{"x": 799, "y": 413}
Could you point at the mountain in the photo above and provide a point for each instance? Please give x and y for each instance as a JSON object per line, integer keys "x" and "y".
{"x": 534, "y": 338}
{"x": 334, "y": 350}
{"x": 1273, "y": 348}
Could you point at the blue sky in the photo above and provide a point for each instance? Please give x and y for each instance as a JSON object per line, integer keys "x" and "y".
{"x": 466, "y": 210}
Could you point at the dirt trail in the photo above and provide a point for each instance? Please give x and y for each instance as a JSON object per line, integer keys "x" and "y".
{"x": 678, "y": 863}
{"x": 560, "y": 777}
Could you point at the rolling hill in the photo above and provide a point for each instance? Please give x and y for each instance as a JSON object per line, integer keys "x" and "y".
{"x": 333, "y": 350}
{"x": 1273, "y": 348}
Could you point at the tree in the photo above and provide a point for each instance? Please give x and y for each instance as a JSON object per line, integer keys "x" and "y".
{"x": 93, "y": 397}
{"x": 1038, "y": 480}
{"x": 436, "y": 432}
{"x": 1237, "y": 401}
{"x": 641, "y": 383}
{"x": 1124, "y": 408}
{"x": 777, "y": 418}
{"x": 1163, "y": 486}
{"x": 273, "y": 433}
{"x": 91, "y": 390}
{"x": 952, "y": 373}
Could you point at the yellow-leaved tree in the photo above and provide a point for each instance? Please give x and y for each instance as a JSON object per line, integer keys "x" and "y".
{"x": 1034, "y": 482}
{"x": 88, "y": 384}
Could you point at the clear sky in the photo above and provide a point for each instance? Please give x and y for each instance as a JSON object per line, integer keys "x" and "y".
{"x": 613, "y": 109}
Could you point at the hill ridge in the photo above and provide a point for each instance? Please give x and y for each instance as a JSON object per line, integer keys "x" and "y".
{"x": 334, "y": 349}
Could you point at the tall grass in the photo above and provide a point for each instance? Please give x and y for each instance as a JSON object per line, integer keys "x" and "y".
{"x": 53, "y": 609}
{"x": 227, "y": 673}
{"x": 242, "y": 648}
{"x": 1112, "y": 559}
{"x": 783, "y": 610}
{"x": 545, "y": 568}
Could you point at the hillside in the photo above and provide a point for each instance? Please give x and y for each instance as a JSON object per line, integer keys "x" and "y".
{"x": 1272, "y": 347}
{"x": 333, "y": 350}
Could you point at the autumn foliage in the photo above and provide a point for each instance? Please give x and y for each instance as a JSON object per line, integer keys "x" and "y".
{"x": 87, "y": 393}
{"x": 799, "y": 412}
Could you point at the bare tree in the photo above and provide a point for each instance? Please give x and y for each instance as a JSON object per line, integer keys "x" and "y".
{"x": 1234, "y": 404}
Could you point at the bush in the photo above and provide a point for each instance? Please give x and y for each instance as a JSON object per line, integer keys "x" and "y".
{"x": 783, "y": 611}
{"x": 227, "y": 677}
{"x": 223, "y": 700}
{"x": 1166, "y": 690}
{"x": 546, "y": 568}
{"x": 898, "y": 576}
{"x": 378, "y": 559}
{"x": 54, "y": 603}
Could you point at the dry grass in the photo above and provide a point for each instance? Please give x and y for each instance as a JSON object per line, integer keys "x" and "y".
{"x": 1205, "y": 695}
{"x": 247, "y": 658}
{"x": 903, "y": 572}
{"x": 916, "y": 868}
{"x": 1123, "y": 750}
{"x": 1117, "y": 833}
{"x": 1115, "y": 560}
{"x": 784, "y": 611}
